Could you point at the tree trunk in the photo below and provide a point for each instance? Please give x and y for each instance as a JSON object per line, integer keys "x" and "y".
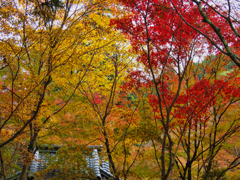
{"x": 109, "y": 155}
{"x": 3, "y": 172}
{"x": 29, "y": 156}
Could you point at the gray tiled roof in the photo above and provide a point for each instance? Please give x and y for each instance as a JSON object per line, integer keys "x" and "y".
{"x": 94, "y": 164}
{"x": 41, "y": 158}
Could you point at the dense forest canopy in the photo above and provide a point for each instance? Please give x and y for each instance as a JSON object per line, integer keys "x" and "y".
{"x": 154, "y": 83}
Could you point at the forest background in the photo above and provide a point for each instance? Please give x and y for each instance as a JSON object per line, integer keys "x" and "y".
{"x": 156, "y": 82}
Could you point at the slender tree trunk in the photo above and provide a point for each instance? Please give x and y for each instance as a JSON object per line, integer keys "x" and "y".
{"x": 189, "y": 152}
{"x": 163, "y": 155}
{"x": 184, "y": 174}
{"x": 189, "y": 173}
{"x": 110, "y": 155}
{"x": 28, "y": 158}
{"x": 3, "y": 172}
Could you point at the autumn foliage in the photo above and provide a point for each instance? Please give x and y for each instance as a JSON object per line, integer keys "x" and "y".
{"x": 155, "y": 82}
